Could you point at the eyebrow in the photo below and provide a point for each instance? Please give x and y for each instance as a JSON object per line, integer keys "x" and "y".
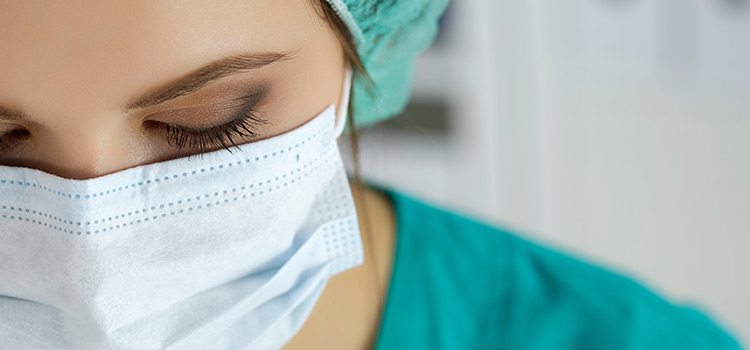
{"x": 190, "y": 82}
{"x": 198, "y": 78}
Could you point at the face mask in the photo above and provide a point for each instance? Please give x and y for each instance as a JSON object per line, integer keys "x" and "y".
{"x": 217, "y": 251}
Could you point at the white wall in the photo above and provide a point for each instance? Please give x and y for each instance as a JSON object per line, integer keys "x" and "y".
{"x": 616, "y": 129}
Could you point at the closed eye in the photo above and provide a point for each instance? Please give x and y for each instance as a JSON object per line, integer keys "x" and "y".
{"x": 200, "y": 140}
{"x": 10, "y": 139}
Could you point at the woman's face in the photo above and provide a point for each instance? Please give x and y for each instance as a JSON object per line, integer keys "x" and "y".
{"x": 69, "y": 71}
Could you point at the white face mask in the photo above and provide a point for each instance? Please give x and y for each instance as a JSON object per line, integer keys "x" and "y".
{"x": 221, "y": 251}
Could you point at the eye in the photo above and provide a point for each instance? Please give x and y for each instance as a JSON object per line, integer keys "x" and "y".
{"x": 241, "y": 127}
{"x": 9, "y": 139}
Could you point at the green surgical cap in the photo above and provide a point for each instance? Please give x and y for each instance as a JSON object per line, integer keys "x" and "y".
{"x": 389, "y": 34}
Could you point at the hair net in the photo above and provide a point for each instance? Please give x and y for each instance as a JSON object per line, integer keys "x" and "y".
{"x": 389, "y": 34}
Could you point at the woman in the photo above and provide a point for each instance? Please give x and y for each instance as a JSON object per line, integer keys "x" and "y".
{"x": 169, "y": 179}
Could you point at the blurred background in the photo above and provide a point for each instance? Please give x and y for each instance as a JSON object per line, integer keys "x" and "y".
{"x": 617, "y": 130}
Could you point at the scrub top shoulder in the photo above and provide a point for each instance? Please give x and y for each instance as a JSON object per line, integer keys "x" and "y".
{"x": 460, "y": 283}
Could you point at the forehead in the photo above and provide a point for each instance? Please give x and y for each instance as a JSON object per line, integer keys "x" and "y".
{"x": 91, "y": 50}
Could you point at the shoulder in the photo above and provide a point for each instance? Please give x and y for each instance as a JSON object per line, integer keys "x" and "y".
{"x": 523, "y": 293}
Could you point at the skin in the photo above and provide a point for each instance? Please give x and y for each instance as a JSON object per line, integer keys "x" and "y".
{"x": 348, "y": 313}
{"x": 67, "y": 69}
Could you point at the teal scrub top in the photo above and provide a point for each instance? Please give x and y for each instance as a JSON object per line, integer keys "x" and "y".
{"x": 459, "y": 283}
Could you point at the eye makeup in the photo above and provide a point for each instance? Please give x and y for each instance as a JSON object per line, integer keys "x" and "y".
{"x": 9, "y": 139}
{"x": 193, "y": 130}
{"x": 241, "y": 126}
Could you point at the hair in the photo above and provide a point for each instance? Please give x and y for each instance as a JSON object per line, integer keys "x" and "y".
{"x": 324, "y": 10}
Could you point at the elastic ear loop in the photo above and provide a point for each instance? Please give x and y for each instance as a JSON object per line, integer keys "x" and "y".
{"x": 344, "y": 107}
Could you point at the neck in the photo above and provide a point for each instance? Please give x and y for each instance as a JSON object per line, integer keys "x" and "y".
{"x": 348, "y": 314}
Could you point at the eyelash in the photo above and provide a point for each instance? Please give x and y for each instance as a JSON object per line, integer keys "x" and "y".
{"x": 5, "y": 145}
{"x": 181, "y": 138}
{"x": 222, "y": 136}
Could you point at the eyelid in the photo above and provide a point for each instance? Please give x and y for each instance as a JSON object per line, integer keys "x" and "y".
{"x": 184, "y": 116}
{"x": 201, "y": 130}
{"x": 12, "y": 133}
{"x": 5, "y": 127}
{"x": 242, "y": 126}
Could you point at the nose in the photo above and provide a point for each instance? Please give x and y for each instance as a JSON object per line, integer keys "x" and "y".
{"x": 86, "y": 153}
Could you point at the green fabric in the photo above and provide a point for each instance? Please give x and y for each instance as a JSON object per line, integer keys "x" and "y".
{"x": 389, "y": 34}
{"x": 459, "y": 283}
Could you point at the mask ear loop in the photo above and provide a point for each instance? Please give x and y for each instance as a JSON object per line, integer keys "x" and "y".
{"x": 341, "y": 117}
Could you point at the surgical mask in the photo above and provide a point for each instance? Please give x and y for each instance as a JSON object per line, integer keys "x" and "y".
{"x": 216, "y": 251}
